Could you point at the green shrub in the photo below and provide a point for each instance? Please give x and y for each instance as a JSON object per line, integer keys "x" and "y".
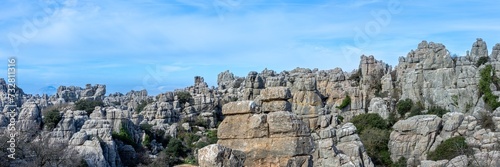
{"x": 484, "y": 88}
{"x": 356, "y": 76}
{"x": 374, "y": 133}
{"x": 391, "y": 120}
{"x": 375, "y": 141}
{"x": 345, "y": 102}
{"x": 404, "y": 106}
{"x": 83, "y": 163}
{"x": 368, "y": 120}
{"x": 190, "y": 160}
{"x": 175, "y": 148}
{"x": 377, "y": 86}
{"x": 486, "y": 121}
{"x": 51, "y": 119}
{"x": 160, "y": 137}
{"x": 124, "y": 136}
{"x": 183, "y": 97}
{"x": 88, "y": 105}
{"x": 212, "y": 136}
{"x": 189, "y": 138}
{"x": 141, "y": 106}
{"x": 415, "y": 112}
{"x": 147, "y": 128}
{"x": 468, "y": 106}
{"x": 340, "y": 118}
{"x": 481, "y": 61}
{"x": 201, "y": 122}
{"x": 449, "y": 149}
{"x": 147, "y": 141}
{"x": 437, "y": 110}
{"x": 416, "y": 109}
{"x": 233, "y": 99}
{"x": 201, "y": 144}
{"x": 455, "y": 100}
{"x": 400, "y": 163}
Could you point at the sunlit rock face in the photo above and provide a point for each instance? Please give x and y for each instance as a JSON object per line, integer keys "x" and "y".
{"x": 289, "y": 118}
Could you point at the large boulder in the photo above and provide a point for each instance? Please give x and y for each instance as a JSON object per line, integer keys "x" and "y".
{"x": 243, "y": 127}
{"x": 275, "y": 93}
{"x": 413, "y": 138}
{"x": 240, "y": 107}
{"x": 479, "y": 49}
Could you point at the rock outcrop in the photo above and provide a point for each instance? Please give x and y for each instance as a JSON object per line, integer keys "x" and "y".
{"x": 299, "y": 117}
{"x": 413, "y": 138}
{"x": 72, "y": 94}
{"x": 276, "y": 138}
{"x": 279, "y": 137}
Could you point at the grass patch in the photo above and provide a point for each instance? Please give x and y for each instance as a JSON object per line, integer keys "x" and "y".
{"x": 345, "y": 102}
{"x": 368, "y": 120}
{"x": 404, "y": 106}
{"x": 183, "y": 97}
{"x": 449, "y": 149}
{"x": 481, "y": 61}
{"x": 437, "y": 110}
{"x": 88, "y": 105}
{"x": 212, "y": 136}
{"x": 484, "y": 88}
{"x": 141, "y": 106}
{"x": 417, "y": 109}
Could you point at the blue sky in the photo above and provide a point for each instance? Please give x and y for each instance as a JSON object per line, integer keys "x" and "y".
{"x": 161, "y": 45}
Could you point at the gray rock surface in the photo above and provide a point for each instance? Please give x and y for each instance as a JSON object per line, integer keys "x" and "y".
{"x": 277, "y": 138}
{"x": 413, "y": 138}
{"x": 479, "y": 49}
{"x": 295, "y": 111}
{"x": 218, "y": 156}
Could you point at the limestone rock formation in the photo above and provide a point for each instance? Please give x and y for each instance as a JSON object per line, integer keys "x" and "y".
{"x": 479, "y": 49}
{"x": 413, "y": 138}
{"x": 282, "y": 138}
{"x": 72, "y": 94}
{"x": 495, "y": 53}
{"x": 29, "y": 117}
{"x": 72, "y": 122}
{"x": 380, "y": 106}
{"x": 279, "y": 138}
{"x": 17, "y": 98}
{"x": 299, "y": 117}
{"x": 340, "y": 147}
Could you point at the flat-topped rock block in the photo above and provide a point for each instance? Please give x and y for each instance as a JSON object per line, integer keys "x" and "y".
{"x": 275, "y": 93}
{"x": 239, "y": 107}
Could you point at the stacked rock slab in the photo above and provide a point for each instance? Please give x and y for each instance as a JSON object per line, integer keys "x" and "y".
{"x": 274, "y": 138}
{"x": 276, "y": 99}
{"x": 339, "y": 146}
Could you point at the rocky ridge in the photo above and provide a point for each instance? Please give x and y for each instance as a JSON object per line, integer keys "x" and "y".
{"x": 291, "y": 118}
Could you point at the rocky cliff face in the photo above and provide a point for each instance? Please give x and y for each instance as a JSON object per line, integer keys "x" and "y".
{"x": 300, "y": 117}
